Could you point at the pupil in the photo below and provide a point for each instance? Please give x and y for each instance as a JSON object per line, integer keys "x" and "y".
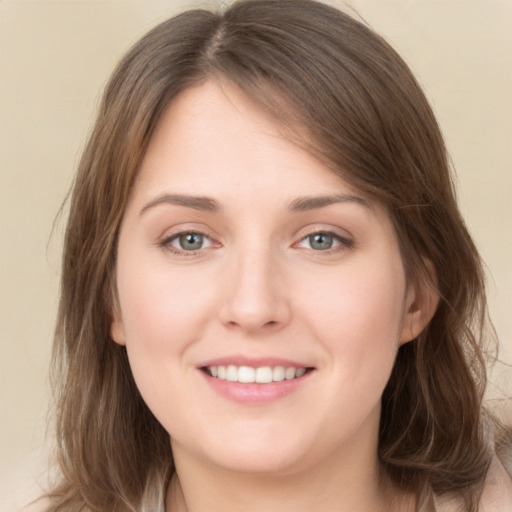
{"x": 191, "y": 241}
{"x": 321, "y": 241}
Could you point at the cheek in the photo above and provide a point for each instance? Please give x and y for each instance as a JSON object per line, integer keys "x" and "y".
{"x": 162, "y": 306}
{"x": 164, "y": 313}
{"x": 356, "y": 302}
{"x": 357, "y": 315}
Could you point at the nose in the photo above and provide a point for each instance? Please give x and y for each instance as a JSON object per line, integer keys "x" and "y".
{"x": 255, "y": 299}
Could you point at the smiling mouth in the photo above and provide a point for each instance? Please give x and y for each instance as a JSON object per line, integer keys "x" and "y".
{"x": 259, "y": 375}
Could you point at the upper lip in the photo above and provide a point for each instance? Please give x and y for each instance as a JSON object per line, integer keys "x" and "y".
{"x": 256, "y": 362}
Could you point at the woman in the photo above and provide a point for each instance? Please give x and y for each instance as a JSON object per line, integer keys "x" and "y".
{"x": 269, "y": 298}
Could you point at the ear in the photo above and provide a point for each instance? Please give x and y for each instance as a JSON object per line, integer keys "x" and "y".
{"x": 421, "y": 304}
{"x": 117, "y": 326}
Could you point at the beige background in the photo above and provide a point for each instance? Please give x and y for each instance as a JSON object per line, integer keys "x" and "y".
{"x": 55, "y": 57}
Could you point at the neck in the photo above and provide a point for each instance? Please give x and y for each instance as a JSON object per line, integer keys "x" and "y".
{"x": 359, "y": 487}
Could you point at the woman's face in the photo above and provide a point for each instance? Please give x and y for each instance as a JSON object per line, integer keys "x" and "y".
{"x": 261, "y": 299}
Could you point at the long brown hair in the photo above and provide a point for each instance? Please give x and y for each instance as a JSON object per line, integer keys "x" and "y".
{"x": 343, "y": 93}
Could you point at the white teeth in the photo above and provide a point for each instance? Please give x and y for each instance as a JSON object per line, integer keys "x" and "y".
{"x": 264, "y": 375}
{"x": 278, "y": 373}
{"x": 289, "y": 373}
{"x": 261, "y": 375}
{"x": 246, "y": 374}
{"x": 232, "y": 373}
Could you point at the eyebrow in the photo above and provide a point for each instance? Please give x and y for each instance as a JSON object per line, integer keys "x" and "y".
{"x": 301, "y": 204}
{"x": 196, "y": 202}
{"x": 307, "y": 203}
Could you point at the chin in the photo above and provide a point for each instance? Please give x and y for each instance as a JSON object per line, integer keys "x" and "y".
{"x": 268, "y": 452}
{"x": 263, "y": 462}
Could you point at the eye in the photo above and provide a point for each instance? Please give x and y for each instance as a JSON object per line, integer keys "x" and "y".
{"x": 188, "y": 241}
{"x": 323, "y": 241}
{"x": 320, "y": 241}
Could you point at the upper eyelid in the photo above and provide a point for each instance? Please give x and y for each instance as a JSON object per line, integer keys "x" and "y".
{"x": 171, "y": 232}
{"x": 325, "y": 232}
{"x": 173, "y": 236}
{"x": 187, "y": 232}
{"x": 312, "y": 229}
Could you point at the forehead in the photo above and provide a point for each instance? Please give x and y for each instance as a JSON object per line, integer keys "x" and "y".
{"x": 213, "y": 135}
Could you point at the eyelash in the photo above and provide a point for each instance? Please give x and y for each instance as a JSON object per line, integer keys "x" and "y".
{"x": 341, "y": 243}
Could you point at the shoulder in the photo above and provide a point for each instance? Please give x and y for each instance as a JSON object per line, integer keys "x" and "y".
{"x": 496, "y": 496}
{"x": 23, "y": 496}
{"x": 40, "y": 505}
{"x": 22, "y": 485}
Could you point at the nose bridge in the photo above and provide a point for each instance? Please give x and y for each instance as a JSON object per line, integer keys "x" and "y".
{"x": 255, "y": 298}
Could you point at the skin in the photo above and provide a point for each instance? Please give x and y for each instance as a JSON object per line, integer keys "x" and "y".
{"x": 258, "y": 287}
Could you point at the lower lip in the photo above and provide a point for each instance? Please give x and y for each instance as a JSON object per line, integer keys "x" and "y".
{"x": 255, "y": 393}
